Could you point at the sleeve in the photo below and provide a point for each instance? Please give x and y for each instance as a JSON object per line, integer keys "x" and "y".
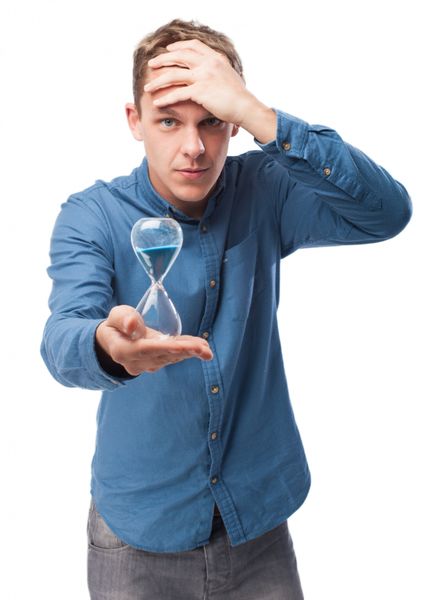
{"x": 328, "y": 192}
{"x": 81, "y": 270}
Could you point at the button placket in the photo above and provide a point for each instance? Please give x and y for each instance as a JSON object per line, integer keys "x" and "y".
{"x": 211, "y": 369}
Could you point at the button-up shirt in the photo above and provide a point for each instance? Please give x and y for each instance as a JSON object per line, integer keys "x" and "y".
{"x": 172, "y": 443}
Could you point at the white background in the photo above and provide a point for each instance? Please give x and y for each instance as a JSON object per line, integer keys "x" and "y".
{"x": 359, "y": 325}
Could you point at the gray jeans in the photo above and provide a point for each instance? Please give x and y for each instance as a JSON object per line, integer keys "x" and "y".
{"x": 262, "y": 569}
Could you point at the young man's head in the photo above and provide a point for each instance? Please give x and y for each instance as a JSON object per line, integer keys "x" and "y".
{"x": 182, "y": 138}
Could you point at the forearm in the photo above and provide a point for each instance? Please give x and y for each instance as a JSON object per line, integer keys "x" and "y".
{"x": 80, "y": 300}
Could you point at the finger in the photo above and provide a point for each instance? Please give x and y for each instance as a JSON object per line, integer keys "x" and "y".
{"x": 200, "y": 351}
{"x": 177, "y": 76}
{"x": 135, "y": 367}
{"x": 196, "y": 45}
{"x": 183, "y": 58}
{"x": 126, "y": 320}
{"x": 117, "y": 314}
{"x": 173, "y": 361}
{"x": 178, "y": 94}
{"x": 175, "y": 348}
{"x": 134, "y": 326}
{"x": 198, "y": 344}
{"x": 152, "y": 349}
{"x": 154, "y": 334}
{"x": 165, "y": 359}
{"x": 151, "y": 355}
{"x": 190, "y": 339}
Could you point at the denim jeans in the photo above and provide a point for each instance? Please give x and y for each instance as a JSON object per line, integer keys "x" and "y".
{"x": 261, "y": 569}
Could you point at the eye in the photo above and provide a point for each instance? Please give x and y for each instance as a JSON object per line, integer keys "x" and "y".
{"x": 167, "y": 123}
{"x": 213, "y": 122}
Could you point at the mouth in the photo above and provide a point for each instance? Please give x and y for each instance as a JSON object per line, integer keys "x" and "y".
{"x": 192, "y": 173}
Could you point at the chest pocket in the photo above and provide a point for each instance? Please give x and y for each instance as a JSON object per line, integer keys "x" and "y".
{"x": 239, "y": 282}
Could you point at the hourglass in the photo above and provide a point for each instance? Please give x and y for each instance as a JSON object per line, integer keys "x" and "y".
{"x": 157, "y": 242}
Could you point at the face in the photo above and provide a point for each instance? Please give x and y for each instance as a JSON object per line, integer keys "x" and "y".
{"x": 185, "y": 146}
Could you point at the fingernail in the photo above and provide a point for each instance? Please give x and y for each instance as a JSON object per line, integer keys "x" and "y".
{"x": 135, "y": 335}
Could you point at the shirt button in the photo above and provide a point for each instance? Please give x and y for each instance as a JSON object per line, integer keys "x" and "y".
{"x": 212, "y": 283}
{"x": 214, "y": 480}
{"x": 204, "y": 228}
{"x": 214, "y": 435}
{"x": 215, "y": 389}
{"x": 286, "y": 146}
{"x": 205, "y": 335}
{"x": 327, "y": 171}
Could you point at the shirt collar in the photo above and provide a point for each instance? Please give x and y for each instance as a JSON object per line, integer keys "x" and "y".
{"x": 164, "y": 208}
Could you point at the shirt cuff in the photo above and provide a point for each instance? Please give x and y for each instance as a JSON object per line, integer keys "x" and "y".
{"x": 101, "y": 378}
{"x": 291, "y": 137}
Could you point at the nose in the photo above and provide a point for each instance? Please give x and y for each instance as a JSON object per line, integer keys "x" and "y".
{"x": 192, "y": 144}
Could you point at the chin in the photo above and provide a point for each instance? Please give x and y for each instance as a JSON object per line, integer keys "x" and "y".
{"x": 193, "y": 198}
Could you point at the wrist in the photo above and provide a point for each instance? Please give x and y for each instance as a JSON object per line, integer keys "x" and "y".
{"x": 105, "y": 361}
{"x": 260, "y": 121}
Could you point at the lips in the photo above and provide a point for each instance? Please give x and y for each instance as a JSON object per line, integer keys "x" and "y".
{"x": 192, "y": 173}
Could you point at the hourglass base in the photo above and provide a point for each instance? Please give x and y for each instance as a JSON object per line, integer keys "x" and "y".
{"x": 158, "y": 311}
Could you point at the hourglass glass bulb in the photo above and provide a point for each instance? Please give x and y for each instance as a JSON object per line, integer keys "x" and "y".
{"x": 157, "y": 242}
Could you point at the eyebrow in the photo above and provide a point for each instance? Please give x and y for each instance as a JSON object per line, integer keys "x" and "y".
{"x": 169, "y": 111}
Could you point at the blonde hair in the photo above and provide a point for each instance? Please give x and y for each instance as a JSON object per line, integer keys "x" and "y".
{"x": 156, "y": 42}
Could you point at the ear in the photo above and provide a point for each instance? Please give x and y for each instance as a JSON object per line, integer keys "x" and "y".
{"x": 134, "y": 121}
{"x": 235, "y": 130}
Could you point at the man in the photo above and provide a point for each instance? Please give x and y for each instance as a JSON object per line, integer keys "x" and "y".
{"x": 198, "y": 460}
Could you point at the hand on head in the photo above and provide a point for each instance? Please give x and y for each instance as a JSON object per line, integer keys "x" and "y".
{"x": 198, "y": 73}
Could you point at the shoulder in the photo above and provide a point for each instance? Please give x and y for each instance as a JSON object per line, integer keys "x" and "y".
{"x": 256, "y": 165}
{"x": 106, "y": 195}
{"x": 250, "y": 159}
{"x": 101, "y": 187}
{"x": 257, "y": 160}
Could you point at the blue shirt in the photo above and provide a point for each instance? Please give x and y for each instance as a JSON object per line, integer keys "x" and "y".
{"x": 172, "y": 443}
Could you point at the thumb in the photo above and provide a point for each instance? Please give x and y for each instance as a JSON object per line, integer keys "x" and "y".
{"x": 133, "y": 326}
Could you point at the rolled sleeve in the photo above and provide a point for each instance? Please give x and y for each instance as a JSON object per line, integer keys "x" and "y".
{"x": 335, "y": 193}
{"x": 81, "y": 270}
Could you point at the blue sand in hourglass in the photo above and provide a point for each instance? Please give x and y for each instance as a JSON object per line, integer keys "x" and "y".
{"x": 156, "y": 260}
{"x": 157, "y": 242}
